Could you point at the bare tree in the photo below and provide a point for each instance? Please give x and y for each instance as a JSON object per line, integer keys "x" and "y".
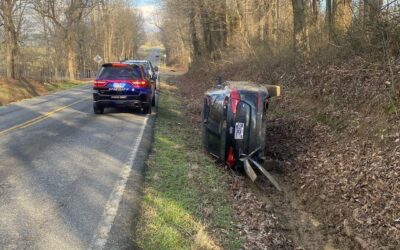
{"x": 66, "y": 16}
{"x": 12, "y": 14}
{"x": 342, "y": 15}
{"x": 300, "y": 27}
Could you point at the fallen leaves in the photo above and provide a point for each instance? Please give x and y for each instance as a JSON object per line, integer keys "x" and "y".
{"x": 336, "y": 132}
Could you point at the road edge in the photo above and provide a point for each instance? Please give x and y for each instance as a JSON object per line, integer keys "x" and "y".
{"x": 124, "y": 223}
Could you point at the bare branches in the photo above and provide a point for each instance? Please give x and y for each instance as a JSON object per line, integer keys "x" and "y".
{"x": 12, "y": 14}
{"x": 63, "y": 36}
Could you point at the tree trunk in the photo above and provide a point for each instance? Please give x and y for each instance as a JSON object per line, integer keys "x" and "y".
{"x": 329, "y": 19}
{"x": 342, "y": 16}
{"x": 193, "y": 31}
{"x": 7, "y": 8}
{"x": 223, "y": 32}
{"x": 316, "y": 4}
{"x": 205, "y": 23}
{"x": 374, "y": 9}
{"x": 71, "y": 55}
{"x": 300, "y": 29}
{"x": 11, "y": 59}
{"x": 71, "y": 64}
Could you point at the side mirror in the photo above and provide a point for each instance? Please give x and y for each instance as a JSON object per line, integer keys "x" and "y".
{"x": 156, "y": 69}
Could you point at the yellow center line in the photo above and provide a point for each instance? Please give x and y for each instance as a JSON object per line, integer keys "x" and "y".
{"x": 39, "y": 118}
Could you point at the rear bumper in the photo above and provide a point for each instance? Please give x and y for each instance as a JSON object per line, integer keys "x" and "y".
{"x": 131, "y": 101}
{"x": 120, "y": 103}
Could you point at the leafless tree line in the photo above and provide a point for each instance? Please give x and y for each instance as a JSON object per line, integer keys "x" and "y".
{"x": 193, "y": 30}
{"x": 61, "y": 37}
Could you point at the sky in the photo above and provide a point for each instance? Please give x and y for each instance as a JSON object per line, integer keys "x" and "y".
{"x": 145, "y": 2}
{"x": 148, "y": 8}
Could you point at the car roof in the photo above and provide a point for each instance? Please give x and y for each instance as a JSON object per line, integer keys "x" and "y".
{"x": 136, "y": 61}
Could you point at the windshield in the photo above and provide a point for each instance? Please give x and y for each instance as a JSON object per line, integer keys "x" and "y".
{"x": 119, "y": 73}
{"x": 146, "y": 65}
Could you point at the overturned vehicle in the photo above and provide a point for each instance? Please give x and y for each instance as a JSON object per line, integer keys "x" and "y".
{"x": 234, "y": 123}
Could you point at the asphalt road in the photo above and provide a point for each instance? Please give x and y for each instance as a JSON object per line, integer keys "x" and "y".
{"x": 70, "y": 179}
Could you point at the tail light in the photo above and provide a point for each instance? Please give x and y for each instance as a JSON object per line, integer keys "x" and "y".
{"x": 99, "y": 84}
{"x": 230, "y": 160}
{"x": 140, "y": 84}
{"x": 235, "y": 99}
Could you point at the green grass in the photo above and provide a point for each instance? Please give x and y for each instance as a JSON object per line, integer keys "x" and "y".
{"x": 186, "y": 203}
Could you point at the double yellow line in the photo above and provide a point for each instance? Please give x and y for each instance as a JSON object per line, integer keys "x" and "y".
{"x": 39, "y": 118}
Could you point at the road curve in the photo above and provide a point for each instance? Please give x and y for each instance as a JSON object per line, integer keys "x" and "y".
{"x": 60, "y": 165}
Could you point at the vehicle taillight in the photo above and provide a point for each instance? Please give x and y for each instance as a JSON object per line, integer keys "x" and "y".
{"x": 141, "y": 84}
{"x": 230, "y": 160}
{"x": 99, "y": 84}
{"x": 235, "y": 99}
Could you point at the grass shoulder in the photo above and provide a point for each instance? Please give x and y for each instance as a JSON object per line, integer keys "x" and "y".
{"x": 186, "y": 202}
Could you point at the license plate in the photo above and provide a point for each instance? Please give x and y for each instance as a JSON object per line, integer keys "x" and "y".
{"x": 119, "y": 97}
{"x": 119, "y": 85}
{"x": 239, "y": 131}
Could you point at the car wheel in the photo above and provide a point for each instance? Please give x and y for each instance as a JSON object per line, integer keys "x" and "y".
{"x": 98, "y": 110}
{"x": 147, "y": 109}
{"x": 153, "y": 101}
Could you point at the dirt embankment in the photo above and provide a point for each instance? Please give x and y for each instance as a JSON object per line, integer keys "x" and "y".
{"x": 16, "y": 90}
{"x": 335, "y": 136}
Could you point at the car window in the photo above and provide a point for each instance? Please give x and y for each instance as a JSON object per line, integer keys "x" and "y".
{"x": 206, "y": 108}
{"x": 146, "y": 65}
{"x": 216, "y": 111}
{"x": 119, "y": 73}
{"x": 250, "y": 97}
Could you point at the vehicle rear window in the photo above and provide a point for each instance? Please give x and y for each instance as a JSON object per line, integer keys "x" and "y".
{"x": 145, "y": 65}
{"x": 250, "y": 97}
{"x": 119, "y": 73}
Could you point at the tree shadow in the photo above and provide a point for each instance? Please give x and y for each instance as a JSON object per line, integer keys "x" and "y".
{"x": 66, "y": 170}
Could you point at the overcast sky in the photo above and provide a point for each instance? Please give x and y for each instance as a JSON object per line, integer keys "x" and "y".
{"x": 148, "y": 8}
{"x": 145, "y": 2}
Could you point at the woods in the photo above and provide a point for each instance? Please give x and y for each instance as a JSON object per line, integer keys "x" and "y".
{"x": 335, "y": 130}
{"x": 57, "y": 39}
{"x": 213, "y": 29}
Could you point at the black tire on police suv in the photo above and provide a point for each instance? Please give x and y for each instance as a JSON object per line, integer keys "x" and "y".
{"x": 98, "y": 110}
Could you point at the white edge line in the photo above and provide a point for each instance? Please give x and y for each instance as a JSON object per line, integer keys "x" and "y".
{"x": 110, "y": 211}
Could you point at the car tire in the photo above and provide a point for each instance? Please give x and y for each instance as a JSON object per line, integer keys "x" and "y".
{"x": 153, "y": 101}
{"x": 147, "y": 109}
{"x": 98, "y": 110}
